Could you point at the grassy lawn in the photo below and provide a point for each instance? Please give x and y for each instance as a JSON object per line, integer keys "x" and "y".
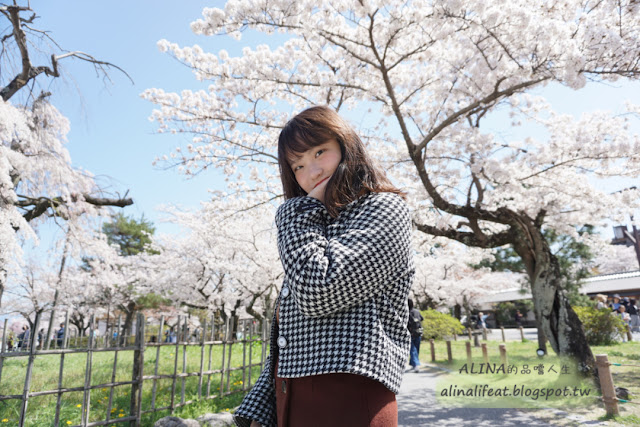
{"x": 41, "y": 409}
{"x": 523, "y": 353}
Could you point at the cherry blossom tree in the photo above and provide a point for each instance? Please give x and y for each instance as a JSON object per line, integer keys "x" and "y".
{"x": 226, "y": 261}
{"x": 615, "y": 259}
{"x": 37, "y": 179}
{"x": 445, "y": 275}
{"x": 33, "y": 291}
{"x": 432, "y": 73}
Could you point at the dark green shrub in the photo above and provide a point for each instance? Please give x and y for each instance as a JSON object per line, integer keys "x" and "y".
{"x": 438, "y": 325}
{"x": 601, "y": 327}
{"x": 505, "y": 312}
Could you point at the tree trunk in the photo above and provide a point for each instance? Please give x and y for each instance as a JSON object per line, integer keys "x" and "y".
{"x": 457, "y": 311}
{"x": 52, "y": 319}
{"x": 55, "y": 298}
{"x": 3, "y": 280}
{"x": 556, "y": 319}
{"x": 129, "y": 310}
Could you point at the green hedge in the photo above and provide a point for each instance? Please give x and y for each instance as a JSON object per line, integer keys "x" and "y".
{"x": 602, "y": 327}
{"x": 438, "y": 325}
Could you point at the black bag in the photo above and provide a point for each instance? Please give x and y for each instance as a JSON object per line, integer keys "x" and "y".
{"x": 415, "y": 322}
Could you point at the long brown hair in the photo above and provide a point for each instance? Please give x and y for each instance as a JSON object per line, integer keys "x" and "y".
{"x": 355, "y": 176}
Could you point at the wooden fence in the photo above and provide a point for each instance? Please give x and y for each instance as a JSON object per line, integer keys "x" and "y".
{"x": 248, "y": 334}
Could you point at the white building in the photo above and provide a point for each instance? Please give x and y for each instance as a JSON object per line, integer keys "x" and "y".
{"x": 624, "y": 284}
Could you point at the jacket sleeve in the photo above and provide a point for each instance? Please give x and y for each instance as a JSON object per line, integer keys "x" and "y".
{"x": 329, "y": 276}
{"x": 260, "y": 403}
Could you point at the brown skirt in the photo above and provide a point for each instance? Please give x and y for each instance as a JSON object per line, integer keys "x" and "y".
{"x": 336, "y": 400}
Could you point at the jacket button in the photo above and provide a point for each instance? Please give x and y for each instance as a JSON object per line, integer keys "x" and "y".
{"x": 282, "y": 342}
{"x": 285, "y": 292}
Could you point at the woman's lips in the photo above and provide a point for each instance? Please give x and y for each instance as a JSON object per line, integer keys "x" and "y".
{"x": 321, "y": 182}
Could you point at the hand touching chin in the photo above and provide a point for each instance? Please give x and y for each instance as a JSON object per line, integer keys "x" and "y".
{"x": 318, "y": 191}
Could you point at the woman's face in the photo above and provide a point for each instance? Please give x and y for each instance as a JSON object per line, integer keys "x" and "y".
{"x": 316, "y": 165}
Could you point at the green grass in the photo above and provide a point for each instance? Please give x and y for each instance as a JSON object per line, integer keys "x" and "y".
{"x": 631, "y": 420}
{"x": 41, "y": 409}
{"x": 520, "y": 353}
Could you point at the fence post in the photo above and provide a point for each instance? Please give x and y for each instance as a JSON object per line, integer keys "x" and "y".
{"x": 172, "y": 406}
{"x": 521, "y": 333}
{"x": 475, "y": 340}
{"x": 202, "y": 339}
{"x": 225, "y": 335}
{"x": 135, "y": 408}
{"x": 468, "y": 344}
{"x": 159, "y": 343}
{"x": 449, "y": 351}
{"x": 86, "y": 399}
{"x": 244, "y": 351}
{"x": 433, "y": 350}
{"x": 232, "y": 324}
{"x": 27, "y": 380}
{"x": 185, "y": 342}
{"x": 503, "y": 355}
{"x": 60, "y": 373}
{"x": 629, "y": 335}
{"x": 211, "y": 338}
{"x": 502, "y": 330}
{"x": 252, "y": 333}
{"x": 469, "y": 332}
{"x": 606, "y": 385}
{"x": 3, "y": 347}
{"x": 484, "y": 334}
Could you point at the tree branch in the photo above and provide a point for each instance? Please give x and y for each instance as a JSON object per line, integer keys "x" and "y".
{"x": 29, "y": 72}
{"x": 42, "y": 204}
{"x": 468, "y": 238}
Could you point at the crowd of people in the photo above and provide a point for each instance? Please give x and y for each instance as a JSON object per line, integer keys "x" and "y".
{"x": 22, "y": 341}
{"x": 625, "y": 308}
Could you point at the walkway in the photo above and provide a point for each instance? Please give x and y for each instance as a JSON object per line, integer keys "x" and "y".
{"x": 417, "y": 406}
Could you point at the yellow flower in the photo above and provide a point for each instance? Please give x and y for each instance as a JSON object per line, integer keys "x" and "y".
{"x": 4, "y": 420}
{"x": 78, "y": 406}
{"x": 104, "y": 389}
{"x": 120, "y": 415}
{"x": 68, "y": 423}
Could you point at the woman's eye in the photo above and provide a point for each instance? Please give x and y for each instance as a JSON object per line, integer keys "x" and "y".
{"x": 319, "y": 152}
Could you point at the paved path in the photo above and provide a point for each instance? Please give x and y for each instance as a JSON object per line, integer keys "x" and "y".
{"x": 510, "y": 334}
{"x": 417, "y": 406}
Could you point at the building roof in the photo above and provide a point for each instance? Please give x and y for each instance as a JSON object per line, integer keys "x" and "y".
{"x": 603, "y": 283}
{"x": 607, "y": 283}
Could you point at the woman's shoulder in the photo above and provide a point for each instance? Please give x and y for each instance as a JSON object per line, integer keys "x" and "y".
{"x": 385, "y": 200}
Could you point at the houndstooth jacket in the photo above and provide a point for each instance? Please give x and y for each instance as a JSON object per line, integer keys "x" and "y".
{"x": 343, "y": 302}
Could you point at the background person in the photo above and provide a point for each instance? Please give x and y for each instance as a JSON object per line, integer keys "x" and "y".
{"x": 634, "y": 321}
{"x": 415, "y": 329}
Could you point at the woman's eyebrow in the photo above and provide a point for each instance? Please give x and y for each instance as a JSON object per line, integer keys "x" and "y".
{"x": 294, "y": 158}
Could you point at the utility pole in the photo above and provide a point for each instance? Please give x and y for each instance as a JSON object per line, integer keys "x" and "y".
{"x": 636, "y": 241}
{"x": 622, "y": 236}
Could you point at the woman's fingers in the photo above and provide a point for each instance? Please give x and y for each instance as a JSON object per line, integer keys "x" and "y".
{"x": 318, "y": 192}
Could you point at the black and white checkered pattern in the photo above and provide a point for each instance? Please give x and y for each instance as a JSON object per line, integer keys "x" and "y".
{"x": 343, "y": 303}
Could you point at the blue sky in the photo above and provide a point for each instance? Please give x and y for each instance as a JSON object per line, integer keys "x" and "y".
{"x": 111, "y": 135}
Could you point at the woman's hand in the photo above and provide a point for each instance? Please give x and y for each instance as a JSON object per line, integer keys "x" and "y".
{"x": 254, "y": 423}
{"x": 318, "y": 192}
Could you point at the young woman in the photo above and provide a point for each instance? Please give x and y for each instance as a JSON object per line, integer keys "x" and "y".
{"x": 339, "y": 338}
